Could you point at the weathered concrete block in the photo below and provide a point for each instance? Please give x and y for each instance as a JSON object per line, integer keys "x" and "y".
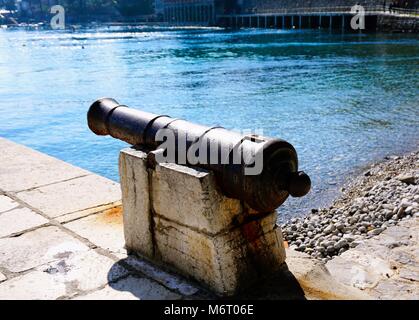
{"x": 196, "y": 203}
{"x": 177, "y": 216}
{"x": 227, "y": 262}
{"x": 136, "y": 201}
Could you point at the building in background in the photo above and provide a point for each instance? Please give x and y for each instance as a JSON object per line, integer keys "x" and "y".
{"x": 205, "y": 11}
{"x": 158, "y": 7}
{"x": 198, "y": 11}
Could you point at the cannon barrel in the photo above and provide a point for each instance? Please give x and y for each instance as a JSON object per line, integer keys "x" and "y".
{"x": 258, "y": 170}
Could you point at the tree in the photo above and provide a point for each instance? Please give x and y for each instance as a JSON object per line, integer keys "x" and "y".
{"x": 134, "y": 7}
{"x": 8, "y": 4}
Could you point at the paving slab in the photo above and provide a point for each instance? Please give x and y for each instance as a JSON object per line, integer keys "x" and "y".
{"x": 132, "y": 288}
{"x": 34, "y": 285}
{"x": 84, "y": 271}
{"x": 74, "y": 273}
{"x": 22, "y": 168}
{"x": 104, "y": 229}
{"x": 73, "y": 195}
{"x": 19, "y": 220}
{"x": 80, "y": 214}
{"x": 169, "y": 280}
{"x": 7, "y": 203}
{"x": 37, "y": 247}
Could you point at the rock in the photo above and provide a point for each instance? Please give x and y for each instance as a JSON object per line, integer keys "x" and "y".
{"x": 388, "y": 206}
{"x": 348, "y": 238}
{"x": 388, "y": 214}
{"x": 400, "y": 213}
{"x": 329, "y": 229}
{"x": 339, "y": 226}
{"x": 302, "y": 248}
{"x": 354, "y": 220}
{"x": 362, "y": 229}
{"x": 375, "y": 232}
{"x": 406, "y": 178}
{"x": 405, "y": 203}
{"x": 408, "y": 210}
{"x": 340, "y": 244}
{"x": 320, "y": 249}
{"x": 330, "y": 249}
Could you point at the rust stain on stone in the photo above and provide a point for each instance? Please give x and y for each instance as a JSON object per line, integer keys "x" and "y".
{"x": 250, "y": 232}
{"x": 111, "y": 216}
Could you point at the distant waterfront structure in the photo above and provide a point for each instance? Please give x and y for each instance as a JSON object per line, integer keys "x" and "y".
{"x": 158, "y": 6}
{"x": 210, "y": 12}
{"x": 189, "y": 11}
{"x": 198, "y": 11}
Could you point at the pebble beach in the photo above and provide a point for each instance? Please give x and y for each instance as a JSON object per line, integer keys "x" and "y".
{"x": 384, "y": 195}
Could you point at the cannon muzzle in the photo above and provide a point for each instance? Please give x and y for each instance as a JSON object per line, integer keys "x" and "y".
{"x": 257, "y": 170}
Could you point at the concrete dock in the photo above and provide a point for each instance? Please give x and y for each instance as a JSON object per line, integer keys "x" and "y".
{"x": 61, "y": 237}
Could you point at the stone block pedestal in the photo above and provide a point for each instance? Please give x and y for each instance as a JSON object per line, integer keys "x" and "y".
{"x": 176, "y": 216}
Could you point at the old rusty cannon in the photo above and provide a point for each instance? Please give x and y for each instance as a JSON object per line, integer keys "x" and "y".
{"x": 260, "y": 171}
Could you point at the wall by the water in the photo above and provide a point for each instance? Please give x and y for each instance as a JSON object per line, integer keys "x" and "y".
{"x": 206, "y": 11}
{"x": 261, "y": 6}
{"x": 397, "y": 24}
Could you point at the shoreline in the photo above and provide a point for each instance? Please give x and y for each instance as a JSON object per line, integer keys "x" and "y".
{"x": 389, "y": 25}
{"x": 328, "y": 197}
{"x": 380, "y": 195}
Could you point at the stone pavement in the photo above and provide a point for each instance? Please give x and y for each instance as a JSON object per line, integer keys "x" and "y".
{"x": 61, "y": 237}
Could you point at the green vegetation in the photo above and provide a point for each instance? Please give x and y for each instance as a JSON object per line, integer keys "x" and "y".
{"x": 125, "y": 7}
{"x": 77, "y": 8}
{"x": 7, "y": 4}
{"x": 134, "y": 7}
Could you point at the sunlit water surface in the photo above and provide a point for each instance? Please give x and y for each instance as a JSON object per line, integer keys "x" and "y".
{"x": 342, "y": 100}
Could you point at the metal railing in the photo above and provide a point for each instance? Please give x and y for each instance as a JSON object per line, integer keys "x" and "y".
{"x": 331, "y": 10}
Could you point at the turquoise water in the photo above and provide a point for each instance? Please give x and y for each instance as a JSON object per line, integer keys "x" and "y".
{"x": 342, "y": 100}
